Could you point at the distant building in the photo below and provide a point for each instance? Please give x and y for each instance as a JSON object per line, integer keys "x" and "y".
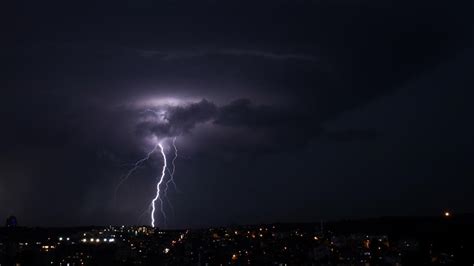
{"x": 11, "y": 222}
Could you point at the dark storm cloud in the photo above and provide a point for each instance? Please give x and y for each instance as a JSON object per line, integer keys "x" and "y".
{"x": 243, "y": 112}
{"x": 282, "y": 127}
{"x": 267, "y": 127}
{"x": 263, "y": 128}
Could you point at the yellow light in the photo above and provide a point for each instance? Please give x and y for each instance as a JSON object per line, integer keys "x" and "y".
{"x": 447, "y": 214}
{"x": 234, "y": 256}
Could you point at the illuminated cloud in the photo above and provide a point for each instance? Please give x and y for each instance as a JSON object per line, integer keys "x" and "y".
{"x": 167, "y": 120}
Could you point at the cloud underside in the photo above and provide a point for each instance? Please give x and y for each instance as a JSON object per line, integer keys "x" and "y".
{"x": 273, "y": 124}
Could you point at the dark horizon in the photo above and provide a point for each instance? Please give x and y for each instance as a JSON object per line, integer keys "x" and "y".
{"x": 367, "y": 222}
{"x": 281, "y": 110}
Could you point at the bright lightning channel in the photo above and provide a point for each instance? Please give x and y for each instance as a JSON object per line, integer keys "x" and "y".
{"x": 157, "y": 196}
{"x": 171, "y": 177}
{"x": 173, "y": 169}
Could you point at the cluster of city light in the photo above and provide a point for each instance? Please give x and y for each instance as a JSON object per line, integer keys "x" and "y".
{"x": 98, "y": 240}
{"x": 47, "y": 248}
{"x": 173, "y": 243}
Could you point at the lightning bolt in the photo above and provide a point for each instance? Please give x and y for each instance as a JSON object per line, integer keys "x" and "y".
{"x": 161, "y": 194}
{"x": 171, "y": 179}
{"x": 172, "y": 171}
{"x": 160, "y": 180}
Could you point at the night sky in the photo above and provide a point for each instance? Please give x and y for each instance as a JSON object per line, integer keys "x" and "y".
{"x": 284, "y": 111}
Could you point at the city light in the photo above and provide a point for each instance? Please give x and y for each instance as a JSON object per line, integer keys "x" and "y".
{"x": 447, "y": 214}
{"x": 230, "y": 248}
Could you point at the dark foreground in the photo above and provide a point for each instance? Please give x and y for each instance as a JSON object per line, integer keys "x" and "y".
{"x": 384, "y": 241}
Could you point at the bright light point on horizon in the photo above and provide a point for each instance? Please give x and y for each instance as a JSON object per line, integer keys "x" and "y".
{"x": 447, "y": 214}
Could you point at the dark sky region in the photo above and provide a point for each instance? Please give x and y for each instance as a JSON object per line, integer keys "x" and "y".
{"x": 284, "y": 111}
